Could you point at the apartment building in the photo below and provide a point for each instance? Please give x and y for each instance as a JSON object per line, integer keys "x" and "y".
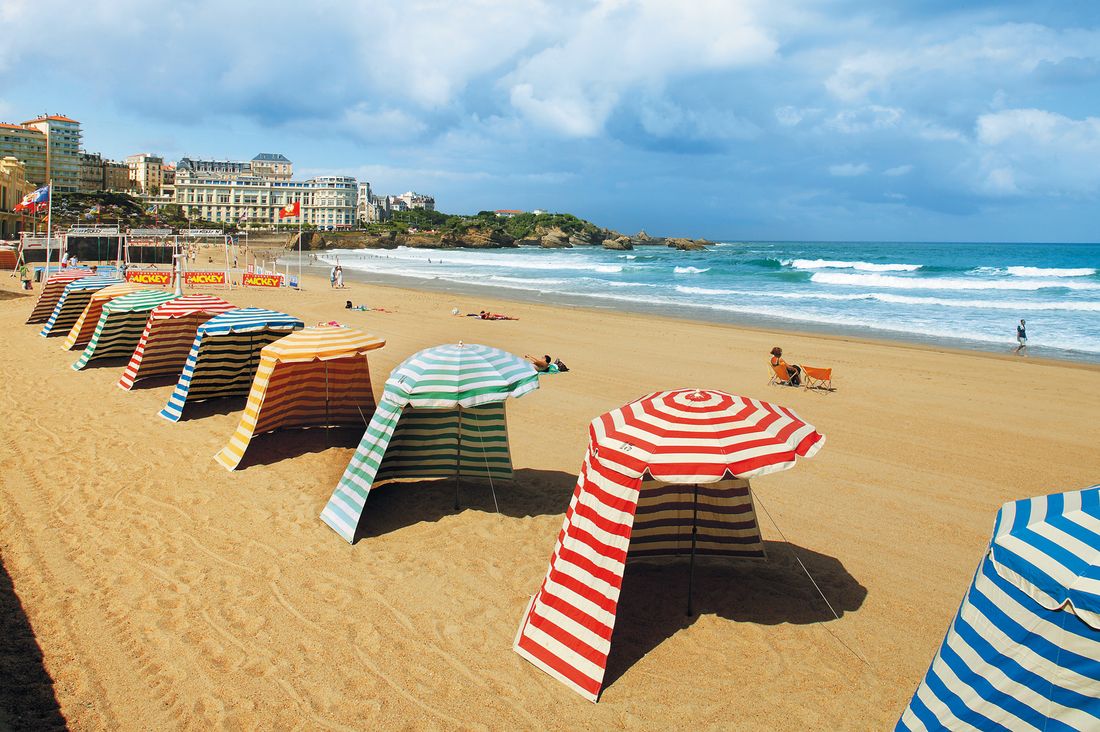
{"x": 410, "y": 200}
{"x": 327, "y": 202}
{"x": 28, "y": 146}
{"x": 146, "y": 173}
{"x": 13, "y": 186}
{"x": 272, "y": 165}
{"x": 63, "y": 142}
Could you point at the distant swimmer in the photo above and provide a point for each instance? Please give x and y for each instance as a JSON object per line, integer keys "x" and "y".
{"x": 1021, "y": 336}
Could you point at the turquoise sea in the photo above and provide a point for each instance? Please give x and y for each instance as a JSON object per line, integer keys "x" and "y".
{"x": 957, "y": 294}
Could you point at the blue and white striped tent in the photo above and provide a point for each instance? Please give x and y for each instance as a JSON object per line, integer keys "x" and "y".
{"x": 73, "y": 299}
{"x": 1023, "y": 652}
{"x": 225, "y": 355}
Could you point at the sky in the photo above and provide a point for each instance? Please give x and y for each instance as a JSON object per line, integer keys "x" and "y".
{"x": 727, "y": 119}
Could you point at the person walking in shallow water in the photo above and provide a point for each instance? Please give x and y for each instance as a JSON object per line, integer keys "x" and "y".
{"x": 1021, "y": 337}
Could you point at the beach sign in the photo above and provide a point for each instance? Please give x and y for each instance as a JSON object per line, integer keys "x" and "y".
{"x": 204, "y": 278}
{"x": 256, "y": 279}
{"x": 149, "y": 277}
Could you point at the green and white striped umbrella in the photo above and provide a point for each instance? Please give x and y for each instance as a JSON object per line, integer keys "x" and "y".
{"x": 459, "y": 375}
{"x": 441, "y": 415}
{"x": 121, "y": 324}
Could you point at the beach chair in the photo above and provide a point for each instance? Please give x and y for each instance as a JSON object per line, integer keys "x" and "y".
{"x": 780, "y": 375}
{"x": 817, "y": 378}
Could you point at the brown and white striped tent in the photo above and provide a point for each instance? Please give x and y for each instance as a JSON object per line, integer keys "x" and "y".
{"x": 51, "y": 293}
{"x": 316, "y": 377}
{"x": 84, "y": 327}
{"x": 665, "y": 475}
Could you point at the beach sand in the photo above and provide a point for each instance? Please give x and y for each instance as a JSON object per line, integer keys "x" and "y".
{"x": 165, "y": 592}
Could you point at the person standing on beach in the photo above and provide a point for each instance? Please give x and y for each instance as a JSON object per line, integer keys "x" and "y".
{"x": 1021, "y": 336}
{"x": 339, "y": 276}
{"x": 332, "y": 278}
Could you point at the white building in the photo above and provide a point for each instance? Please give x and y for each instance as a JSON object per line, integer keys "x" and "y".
{"x": 328, "y": 202}
{"x": 411, "y": 200}
{"x": 146, "y": 173}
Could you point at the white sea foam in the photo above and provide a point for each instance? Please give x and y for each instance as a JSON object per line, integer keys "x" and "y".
{"x": 944, "y": 283}
{"x": 859, "y": 266}
{"x": 628, "y": 256}
{"x": 608, "y": 268}
{"x": 691, "y": 270}
{"x": 1051, "y": 272}
{"x": 1087, "y": 306}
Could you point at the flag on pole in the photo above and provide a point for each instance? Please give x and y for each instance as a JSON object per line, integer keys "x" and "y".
{"x": 36, "y": 201}
{"x": 291, "y": 209}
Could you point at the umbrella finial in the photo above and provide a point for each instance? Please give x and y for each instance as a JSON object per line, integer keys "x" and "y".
{"x": 697, "y": 396}
{"x": 461, "y": 344}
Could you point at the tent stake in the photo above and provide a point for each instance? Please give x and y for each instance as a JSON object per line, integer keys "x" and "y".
{"x": 458, "y": 457}
{"x": 694, "y": 532}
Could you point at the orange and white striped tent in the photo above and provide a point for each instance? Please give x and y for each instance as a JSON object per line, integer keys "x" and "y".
{"x": 317, "y": 377}
{"x": 82, "y": 329}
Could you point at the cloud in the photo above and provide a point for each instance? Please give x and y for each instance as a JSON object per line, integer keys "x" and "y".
{"x": 864, "y": 119}
{"x": 899, "y": 170}
{"x": 617, "y": 48}
{"x": 1039, "y": 152}
{"x": 849, "y": 170}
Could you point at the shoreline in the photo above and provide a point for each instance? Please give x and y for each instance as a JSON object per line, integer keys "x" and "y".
{"x": 760, "y": 324}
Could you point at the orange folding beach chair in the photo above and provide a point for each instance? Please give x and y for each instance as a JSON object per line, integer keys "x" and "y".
{"x": 817, "y": 378}
{"x": 780, "y": 375}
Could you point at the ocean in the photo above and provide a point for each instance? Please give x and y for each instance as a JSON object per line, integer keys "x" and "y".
{"x": 965, "y": 294}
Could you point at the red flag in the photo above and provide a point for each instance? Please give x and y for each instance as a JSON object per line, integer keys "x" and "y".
{"x": 291, "y": 209}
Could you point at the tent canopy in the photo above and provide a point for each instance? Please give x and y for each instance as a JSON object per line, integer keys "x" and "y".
{"x": 120, "y": 325}
{"x": 82, "y": 329}
{"x": 1023, "y": 651}
{"x": 313, "y": 377}
{"x": 441, "y": 415}
{"x": 665, "y": 475}
{"x": 51, "y": 292}
{"x": 168, "y": 336}
{"x": 225, "y": 355}
{"x": 72, "y": 301}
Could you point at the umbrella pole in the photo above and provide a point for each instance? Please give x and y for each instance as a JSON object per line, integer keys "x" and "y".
{"x": 458, "y": 456}
{"x": 694, "y": 532}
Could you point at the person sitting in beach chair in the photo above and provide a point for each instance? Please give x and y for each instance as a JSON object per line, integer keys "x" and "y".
{"x": 782, "y": 372}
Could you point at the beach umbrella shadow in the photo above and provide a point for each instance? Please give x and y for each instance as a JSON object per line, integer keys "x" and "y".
{"x": 27, "y": 698}
{"x": 285, "y": 444}
{"x": 651, "y": 604}
{"x": 400, "y": 504}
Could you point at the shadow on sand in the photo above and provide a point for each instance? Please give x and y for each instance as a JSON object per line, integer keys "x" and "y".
{"x": 27, "y": 699}
{"x": 530, "y": 493}
{"x": 653, "y": 602}
{"x": 284, "y": 444}
{"x": 210, "y": 407}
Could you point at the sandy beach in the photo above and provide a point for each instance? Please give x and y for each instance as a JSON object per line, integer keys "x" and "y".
{"x": 164, "y": 592}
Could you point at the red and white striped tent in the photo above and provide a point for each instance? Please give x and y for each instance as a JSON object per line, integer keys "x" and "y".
{"x": 168, "y": 335}
{"x": 665, "y": 475}
{"x": 51, "y": 293}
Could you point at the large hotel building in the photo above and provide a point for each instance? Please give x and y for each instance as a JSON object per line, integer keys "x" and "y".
{"x": 252, "y": 192}
{"x": 28, "y": 143}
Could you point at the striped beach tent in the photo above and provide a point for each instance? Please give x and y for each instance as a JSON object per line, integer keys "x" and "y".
{"x": 168, "y": 335}
{"x": 121, "y": 324}
{"x": 317, "y": 377}
{"x": 82, "y": 329}
{"x": 1023, "y": 652}
{"x": 225, "y": 355}
{"x": 441, "y": 415}
{"x": 51, "y": 293}
{"x": 666, "y": 475}
{"x": 72, "y": 302}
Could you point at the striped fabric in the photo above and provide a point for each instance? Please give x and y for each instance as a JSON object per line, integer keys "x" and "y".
{"x": 225, "y": 355}
{"x": 168, "y": 335}
{"x": 9, "y": 258}
{"x": 82, "y": 329}
{"x": 121, "y": 324}
{"x": 647, "y": 464}
{"x": 1023, "y": 652}
{"x": 74, "y": 298}
{"x": 441, "y": 415}
{"x": 51, "y": 293}
{"x": 313, "y": 377}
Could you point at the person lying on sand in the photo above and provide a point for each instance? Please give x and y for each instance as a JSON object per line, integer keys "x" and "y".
{"x": 486, "y": 315}
{"x": 547, "y": 365}
{"x": 364, "y": 308}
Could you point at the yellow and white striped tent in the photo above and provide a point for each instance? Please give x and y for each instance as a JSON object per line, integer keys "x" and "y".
{"x": 317, "y": 377}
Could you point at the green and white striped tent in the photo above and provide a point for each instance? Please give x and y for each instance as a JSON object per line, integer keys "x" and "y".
{"x": 121, "y": 324}
{"x": 441, "y": 415}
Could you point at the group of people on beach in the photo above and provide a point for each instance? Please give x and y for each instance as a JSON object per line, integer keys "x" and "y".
{"x": 336, "y": 277}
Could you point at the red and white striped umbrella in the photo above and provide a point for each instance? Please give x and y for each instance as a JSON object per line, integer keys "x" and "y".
{"x": 701, "y": 436}
{"x": 684, "y": 437}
